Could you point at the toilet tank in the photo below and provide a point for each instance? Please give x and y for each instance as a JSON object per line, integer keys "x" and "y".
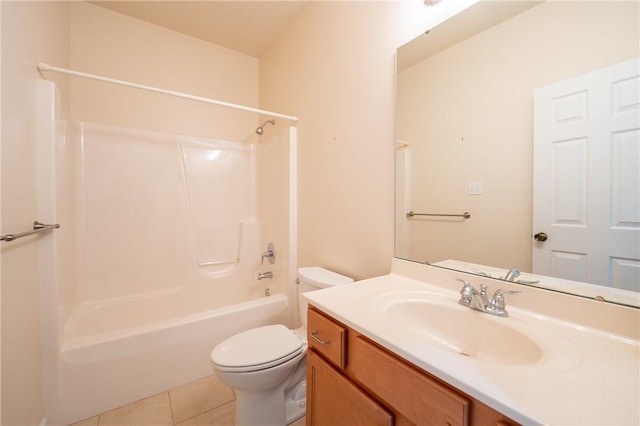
{"x": 316, "y": 278}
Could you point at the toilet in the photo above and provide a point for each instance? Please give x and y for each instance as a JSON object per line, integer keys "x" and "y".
{"x": 266, "y": 366}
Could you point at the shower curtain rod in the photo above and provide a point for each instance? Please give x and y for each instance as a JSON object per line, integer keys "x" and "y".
{"x": 46, "y": 67}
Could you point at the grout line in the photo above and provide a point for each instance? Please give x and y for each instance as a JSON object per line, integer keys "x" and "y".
{"x": 173, "y": 418}
{"x": 206, "y": 411}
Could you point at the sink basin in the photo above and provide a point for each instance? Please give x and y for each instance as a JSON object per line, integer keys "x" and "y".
{"x": 444, "y": 323}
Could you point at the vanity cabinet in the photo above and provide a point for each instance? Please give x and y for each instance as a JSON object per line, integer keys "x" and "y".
{"x": 336, "y": 400}
{"x": 354, "y": 381}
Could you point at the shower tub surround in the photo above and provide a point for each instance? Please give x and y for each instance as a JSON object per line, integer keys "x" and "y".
{"x": 156, "y": 259}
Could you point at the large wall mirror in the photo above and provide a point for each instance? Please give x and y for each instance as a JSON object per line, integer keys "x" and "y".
{"x": 465, "y": 142}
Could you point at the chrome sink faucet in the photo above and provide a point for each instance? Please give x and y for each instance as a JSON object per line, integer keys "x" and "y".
{"x": 478, "y": 300}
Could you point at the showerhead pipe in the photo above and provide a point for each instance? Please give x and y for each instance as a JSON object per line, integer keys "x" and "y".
{"x": 260, "y": 129}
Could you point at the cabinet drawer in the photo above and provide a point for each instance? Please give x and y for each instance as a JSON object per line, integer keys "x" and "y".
{"x": 327, "y": 337}
{"x": 420, "y": 398}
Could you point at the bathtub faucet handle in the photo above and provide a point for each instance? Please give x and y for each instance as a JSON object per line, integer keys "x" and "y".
{"x": 270, "y": 255}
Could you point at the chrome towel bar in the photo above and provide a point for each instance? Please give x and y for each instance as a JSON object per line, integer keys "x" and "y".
{"x": 37, "y": 227}
{"x": 465, "y": 215}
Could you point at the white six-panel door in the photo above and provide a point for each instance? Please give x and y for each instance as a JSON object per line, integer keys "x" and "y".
{"x": 587, "y": 178}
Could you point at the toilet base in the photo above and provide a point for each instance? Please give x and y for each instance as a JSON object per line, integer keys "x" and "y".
{"x": 296, "y": 403}
{"x": 276, "y": 407}
{"x": 260, "y": 408}
{"x": 295, "y": 412}
{"x": 253, "y": 409}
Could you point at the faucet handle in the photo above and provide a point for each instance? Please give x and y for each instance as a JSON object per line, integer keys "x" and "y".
{"x": 465, "y": 282}
{"x": 500, "y": 292}
{"x": 467, "y": 291}
{"x": 270, "y": 254}
{"x": 498, "y": 305}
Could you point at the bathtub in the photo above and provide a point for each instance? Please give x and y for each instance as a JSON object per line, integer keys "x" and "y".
{"x": 99, "y": 372}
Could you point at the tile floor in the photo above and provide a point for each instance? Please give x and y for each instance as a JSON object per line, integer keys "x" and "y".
{"x": 203, "y": 402}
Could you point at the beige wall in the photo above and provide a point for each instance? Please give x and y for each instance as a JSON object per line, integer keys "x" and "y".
{"x": 467, "y": 113}
{"x": 111, "y": 44}
{"x": 31, "y": 32}
{"x": 334, "y": 68}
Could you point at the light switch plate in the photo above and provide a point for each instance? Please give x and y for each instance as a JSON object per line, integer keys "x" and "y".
{"x": 475, "y": 188}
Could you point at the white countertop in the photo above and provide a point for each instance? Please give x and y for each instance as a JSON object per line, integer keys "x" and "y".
{"x": 585, "y": 376}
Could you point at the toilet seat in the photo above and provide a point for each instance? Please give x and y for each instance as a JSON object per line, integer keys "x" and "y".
{"x": 257, "y": 349}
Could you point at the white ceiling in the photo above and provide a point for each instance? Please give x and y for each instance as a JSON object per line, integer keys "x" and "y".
{"x": 242, "y": 25}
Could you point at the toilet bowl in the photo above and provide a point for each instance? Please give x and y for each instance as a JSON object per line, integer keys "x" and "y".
{"x": 266, "y": 366}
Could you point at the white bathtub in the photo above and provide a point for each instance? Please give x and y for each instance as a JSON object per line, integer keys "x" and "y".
{"x": 102, "y": 371}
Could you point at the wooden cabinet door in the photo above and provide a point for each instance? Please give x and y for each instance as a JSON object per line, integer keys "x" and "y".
{"x": 332, "y": 400}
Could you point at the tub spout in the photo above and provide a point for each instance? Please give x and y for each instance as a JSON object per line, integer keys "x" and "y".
{"x": 263, "y": 275}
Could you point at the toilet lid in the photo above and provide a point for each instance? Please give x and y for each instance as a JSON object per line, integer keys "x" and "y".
{"x": 257, "y": 349}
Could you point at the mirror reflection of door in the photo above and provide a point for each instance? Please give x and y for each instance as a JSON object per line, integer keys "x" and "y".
{"x": 465, "y": 106}
{"x": 587, "y": 178}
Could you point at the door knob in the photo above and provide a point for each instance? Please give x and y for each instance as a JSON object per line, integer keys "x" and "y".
{"x": 540, "y": 236}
